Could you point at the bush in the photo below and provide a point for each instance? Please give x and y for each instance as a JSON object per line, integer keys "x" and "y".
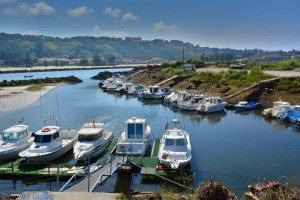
{"x": 209, "y": 189}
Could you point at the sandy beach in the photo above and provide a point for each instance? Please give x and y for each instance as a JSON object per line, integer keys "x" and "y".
{"x": 12, "y": 98}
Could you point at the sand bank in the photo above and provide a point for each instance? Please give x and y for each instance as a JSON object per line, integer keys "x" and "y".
{"x": 12, "y": 98}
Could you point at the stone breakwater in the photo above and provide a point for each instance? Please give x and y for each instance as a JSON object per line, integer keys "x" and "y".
{"x": 68, "y": 79}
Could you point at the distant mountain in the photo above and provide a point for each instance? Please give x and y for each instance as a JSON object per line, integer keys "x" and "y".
{"x": 17, "y": 49}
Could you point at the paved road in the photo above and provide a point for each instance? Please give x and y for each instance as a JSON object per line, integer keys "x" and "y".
{"x": 274, "y": 73}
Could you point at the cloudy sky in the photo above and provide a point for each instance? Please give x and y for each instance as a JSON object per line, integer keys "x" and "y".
{"x": 239, "y": 24}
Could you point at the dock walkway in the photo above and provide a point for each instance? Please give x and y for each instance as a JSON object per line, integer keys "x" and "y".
{"x": 166, "y": 80}
{"x": 96, "y": 178}
{"x": 247, "y": 88}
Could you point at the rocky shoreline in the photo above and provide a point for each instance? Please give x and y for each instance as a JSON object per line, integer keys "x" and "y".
{"x": 68, "y": 79}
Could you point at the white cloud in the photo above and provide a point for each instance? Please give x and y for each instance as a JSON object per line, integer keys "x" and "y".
{"x": 98, "y": 32}
{"x": 31, "y": 32}
{"x": 80, "y": 11}
{"x": 9, "y": 11}
{"x": 130, "y": 17}
{"x": 6, "y": 1}
{"x": 112, "y": 12}
{"x": 39, "y": 8}
{"x": 161, "y": 26}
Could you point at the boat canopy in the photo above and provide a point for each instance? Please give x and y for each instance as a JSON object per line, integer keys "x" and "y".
{"x": 14, "y": 133}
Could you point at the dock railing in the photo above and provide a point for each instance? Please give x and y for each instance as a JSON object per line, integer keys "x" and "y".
{"x": 111, "y": 170}
{"x": 80, "y": 172}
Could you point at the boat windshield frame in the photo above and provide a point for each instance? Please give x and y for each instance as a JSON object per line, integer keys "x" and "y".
{"x": 45, "y": 138}
{"x": 12, "y": 136}
{"x": 135, "y": 131}
{"x": 89, "y": 137}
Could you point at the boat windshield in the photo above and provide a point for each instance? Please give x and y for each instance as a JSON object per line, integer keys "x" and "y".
{"x": 42, "y": 138}
{"x": 9, "y": 136}
{"x": 178, "y": 142}
{"x": 135, "y": 131}
{"x": 82, "y": 138}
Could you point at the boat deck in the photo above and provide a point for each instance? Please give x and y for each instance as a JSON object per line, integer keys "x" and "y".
{"x": 149, "y": 165}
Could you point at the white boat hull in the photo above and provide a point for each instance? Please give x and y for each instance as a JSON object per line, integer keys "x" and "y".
{"x": 42, "y": 158}
{"x": 98, "y": 150}
{"x": 13, "y": 153}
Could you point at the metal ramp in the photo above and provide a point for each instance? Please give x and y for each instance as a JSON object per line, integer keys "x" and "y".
{"x": 89, "y": 183}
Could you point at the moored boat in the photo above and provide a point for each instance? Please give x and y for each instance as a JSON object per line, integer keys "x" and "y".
{"x": 135, "y": 139}
{"x": 92, "y": 141}
{"x": 211, "y": 104}
{"x": 292, "y": 115}
{"x": 175, "y": 150}
{"x": 49, "y": 143}
{"x": 245, "y": 105}
{"x": 279, "y": 108}
{"x": 13, "y": 140}
{"x": 155, "y": 92}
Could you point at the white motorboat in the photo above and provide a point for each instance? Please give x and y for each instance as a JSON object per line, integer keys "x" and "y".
{"x": 155, "y": 92}
{"x": 211, "y": 104}
{"x": 136, "y": 89}
{"x": 135, "y": 139}
{"x": 175, "y": 150}
{"x": 92, "y": 141}
{"x": 49, "y": 143}
{"x": 192, "y": 103}
{"x": 180, "y": 96}
{"x": 280, "y": 108}
{"x": 13, "y": 140}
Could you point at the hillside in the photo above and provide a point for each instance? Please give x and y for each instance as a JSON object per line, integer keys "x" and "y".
{"x": 25, "y": 50}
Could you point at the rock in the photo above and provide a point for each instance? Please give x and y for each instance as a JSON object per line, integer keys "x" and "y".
{"x": 68, "y": 79}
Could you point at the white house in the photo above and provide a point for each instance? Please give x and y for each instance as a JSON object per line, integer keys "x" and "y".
{"x": 188, "y": 67}
{"x": 237, "y": 65}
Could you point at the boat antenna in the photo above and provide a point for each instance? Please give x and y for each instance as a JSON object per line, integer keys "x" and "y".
{"x": 41, "y": 107}
{"x": 57, "y": 107}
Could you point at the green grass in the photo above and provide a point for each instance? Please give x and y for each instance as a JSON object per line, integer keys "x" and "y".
{"x": 36, "y": 87}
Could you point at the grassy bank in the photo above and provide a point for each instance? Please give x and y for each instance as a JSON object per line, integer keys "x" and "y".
{"x": 225, "y": 83}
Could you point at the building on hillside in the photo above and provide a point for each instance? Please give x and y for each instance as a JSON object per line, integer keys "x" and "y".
{"x": 188, "y": 67}
{"x": 237, "y": 65}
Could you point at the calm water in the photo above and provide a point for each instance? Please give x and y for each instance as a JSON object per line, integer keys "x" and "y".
{"x": 234, "y": 148}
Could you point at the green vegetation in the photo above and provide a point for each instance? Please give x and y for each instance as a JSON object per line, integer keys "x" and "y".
{"x": 291, "y": 85}
{"x": 36, "y": 87}
{"x": 238, "y": 78}
{"x": 25, "y": 50}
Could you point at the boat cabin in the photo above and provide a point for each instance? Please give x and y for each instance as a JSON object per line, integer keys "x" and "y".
{"x": 135, "y": 129}
{"x": 154, "y": 89}
{"x": 165, "y": 90}
{"x": 47, "y": 134}
{"x": 14, "y": 133}
{"x": 90, "y": 132}
{"x": 175, "y": 140}
{"x": 214, "y": 100}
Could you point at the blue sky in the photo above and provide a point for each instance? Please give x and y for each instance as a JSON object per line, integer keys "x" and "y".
{"x": 238, "y": 24}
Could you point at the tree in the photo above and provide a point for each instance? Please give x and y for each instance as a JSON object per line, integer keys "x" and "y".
{"x": 28, "y": 61}
{"x": 110, "y": 59}
{"x": 96, "y": 60}
{"x": 56, "y": 63}
{"x": 45, "y": 63}
{"x": 84, "y": 62}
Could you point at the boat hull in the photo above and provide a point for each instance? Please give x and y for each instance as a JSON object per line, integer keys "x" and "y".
{"x": 42, "y": 158}
{"x": 98, "y": 150}
{"x": 13, "y": 154}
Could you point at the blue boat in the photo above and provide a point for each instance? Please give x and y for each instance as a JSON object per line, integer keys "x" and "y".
{"x": 245, "y": 105}
{"x": 293, "y": 115}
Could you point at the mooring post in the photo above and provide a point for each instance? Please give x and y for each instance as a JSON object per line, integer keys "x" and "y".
{"x": 89, "y": 173}
{"x": 57, "y": 177}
